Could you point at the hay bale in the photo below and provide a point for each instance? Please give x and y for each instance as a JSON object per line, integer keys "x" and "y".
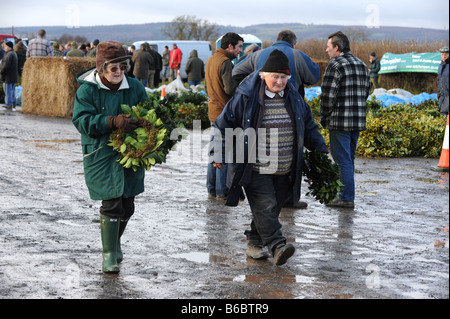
{"x": 49, "y": 84}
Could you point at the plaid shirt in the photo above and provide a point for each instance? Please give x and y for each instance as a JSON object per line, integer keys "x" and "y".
{"x": 345, "y": 88}
{"x": 39, "y": 47}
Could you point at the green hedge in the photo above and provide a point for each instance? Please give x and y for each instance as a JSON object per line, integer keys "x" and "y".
{"x": 401, "y": 130}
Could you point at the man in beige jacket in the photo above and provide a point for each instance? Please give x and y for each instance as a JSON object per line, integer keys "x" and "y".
{"x": 220, "y": 87}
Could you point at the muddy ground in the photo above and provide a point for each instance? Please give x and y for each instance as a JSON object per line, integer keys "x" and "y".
{"x": 180, "y": 244}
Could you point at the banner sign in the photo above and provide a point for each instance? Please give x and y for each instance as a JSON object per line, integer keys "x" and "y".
{"x": 410, "y": 62}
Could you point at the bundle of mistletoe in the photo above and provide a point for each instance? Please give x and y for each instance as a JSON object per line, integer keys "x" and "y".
{"x": 141, "y": 147}
{"x": 322, "y": 176}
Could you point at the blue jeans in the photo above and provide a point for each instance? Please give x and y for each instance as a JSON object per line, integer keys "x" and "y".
{"x": 343, "y": 148}
{"x": 165, "y": 72}
{"x": 143, "y": 81}
{"x": 266, "y": 195}
{"x": 194, "y": 83}
{"x": 216, "y": 179}
{"x": 10, "y": 93}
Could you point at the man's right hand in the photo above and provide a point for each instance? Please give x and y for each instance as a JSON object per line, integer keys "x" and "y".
{"x": 218, "y": 165}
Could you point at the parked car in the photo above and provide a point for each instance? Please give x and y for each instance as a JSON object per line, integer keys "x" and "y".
{"x": 8, "y": 37}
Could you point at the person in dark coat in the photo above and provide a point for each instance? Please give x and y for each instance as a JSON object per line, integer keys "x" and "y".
{"x": 195, "y": 69}
{"x": 9, "y": 75}
{"x": 374, "y": 68}
{"x": 443, "y": 82}
{"x": 21, "y": 51}
{"x": 268, "y": 165}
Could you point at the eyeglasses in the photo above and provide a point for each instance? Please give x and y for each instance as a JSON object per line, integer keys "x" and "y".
{"x": 115, "y": 68}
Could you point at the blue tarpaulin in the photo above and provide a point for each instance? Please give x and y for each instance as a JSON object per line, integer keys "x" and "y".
{"x": 385, "y": 97}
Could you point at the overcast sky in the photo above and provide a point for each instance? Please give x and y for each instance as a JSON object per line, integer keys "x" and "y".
{"x": 371, "y": 13}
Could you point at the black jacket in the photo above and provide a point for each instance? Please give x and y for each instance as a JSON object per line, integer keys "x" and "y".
{"x": 8, "y": 68}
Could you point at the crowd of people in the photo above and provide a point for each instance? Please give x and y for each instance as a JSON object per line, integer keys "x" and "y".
{"x": 146, "y": 64}
{"x": 262, "y": 93}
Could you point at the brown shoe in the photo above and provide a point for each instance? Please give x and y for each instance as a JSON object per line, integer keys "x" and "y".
{"x": 283, "y": 253}
{"x": 257, "y": 252}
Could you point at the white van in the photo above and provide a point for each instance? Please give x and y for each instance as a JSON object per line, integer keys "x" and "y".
{"x": 203, "y": 49}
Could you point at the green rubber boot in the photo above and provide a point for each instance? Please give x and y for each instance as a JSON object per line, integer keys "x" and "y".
{"x": 110, "y": 233}
{"x": 123, "y": 225}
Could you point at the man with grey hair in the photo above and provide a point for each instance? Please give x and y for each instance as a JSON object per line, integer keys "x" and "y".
{"x": 40, "y": 46}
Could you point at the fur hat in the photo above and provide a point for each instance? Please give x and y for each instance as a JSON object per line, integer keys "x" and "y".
{"x": 277, "y": 62}
{"x": 110, "y": 52}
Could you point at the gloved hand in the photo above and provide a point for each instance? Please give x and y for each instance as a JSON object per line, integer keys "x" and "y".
{"x": 122, "y": 122}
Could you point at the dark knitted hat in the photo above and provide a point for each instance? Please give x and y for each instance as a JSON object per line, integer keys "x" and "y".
{"x": 277, "y": 62}
{"x": 110, "y": 52}
{"x": 10, "y": 44}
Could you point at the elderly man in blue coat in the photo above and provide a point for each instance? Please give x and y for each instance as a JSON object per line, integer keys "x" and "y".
{"x": 302, "y": 71}
{"x": 261, "y": 135}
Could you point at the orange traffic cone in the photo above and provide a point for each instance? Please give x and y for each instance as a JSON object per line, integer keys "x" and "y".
{"x": 443, "y": 161}
{"x": 163, "y": 93}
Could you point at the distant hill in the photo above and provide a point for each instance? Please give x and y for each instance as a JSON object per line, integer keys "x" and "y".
{"x": 129, "y": 33}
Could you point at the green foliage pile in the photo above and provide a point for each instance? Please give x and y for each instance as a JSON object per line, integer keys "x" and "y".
{"x": 184, "y": 107}
{"x": 400, "y": 130}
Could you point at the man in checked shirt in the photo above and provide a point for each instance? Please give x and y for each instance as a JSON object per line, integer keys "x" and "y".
{"x": 40, "y": 46}
{"x": 345, "y": 88}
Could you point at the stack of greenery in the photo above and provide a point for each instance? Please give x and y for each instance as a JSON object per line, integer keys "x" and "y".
{"x": 185, "y": 107}
{"x": 400, "y": 130}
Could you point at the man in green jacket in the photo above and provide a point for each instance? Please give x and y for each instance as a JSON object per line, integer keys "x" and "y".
{"x": 97, "y": 112}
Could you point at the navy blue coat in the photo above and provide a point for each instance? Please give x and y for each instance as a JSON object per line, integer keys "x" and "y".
{"x": 245, "y": 110}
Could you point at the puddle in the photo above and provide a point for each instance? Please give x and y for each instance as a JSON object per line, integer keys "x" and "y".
{"x": 197, "y": 257}
{"x": 53, "y": 141}
{"x": 374, "y": 182}
{"x": 427, "y": 180}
